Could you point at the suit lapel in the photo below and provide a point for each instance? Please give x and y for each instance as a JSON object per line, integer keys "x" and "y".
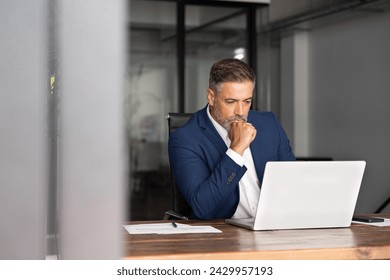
{"x": 210, "y": 132}
{"x": 255, "y": 149}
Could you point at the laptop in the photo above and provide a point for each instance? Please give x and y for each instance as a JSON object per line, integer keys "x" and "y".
{"x": 306, "y": 194}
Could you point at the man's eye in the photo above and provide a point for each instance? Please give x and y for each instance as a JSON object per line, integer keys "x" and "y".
{"x": 248, "y": 101}
{"x": 230, "y": 101}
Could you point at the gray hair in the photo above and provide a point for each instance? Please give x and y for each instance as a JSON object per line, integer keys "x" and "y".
{"x": 229, "y": 70}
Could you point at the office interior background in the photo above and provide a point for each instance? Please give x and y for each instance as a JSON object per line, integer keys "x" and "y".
{"x": 85, "y": 88}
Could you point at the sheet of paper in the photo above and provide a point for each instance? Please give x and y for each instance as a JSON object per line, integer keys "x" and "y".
{"x": 168, "y": 228}
{"x": 386, "y": 223}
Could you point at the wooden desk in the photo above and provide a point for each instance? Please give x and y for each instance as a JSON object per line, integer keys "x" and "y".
{"x": 355, "y": 242}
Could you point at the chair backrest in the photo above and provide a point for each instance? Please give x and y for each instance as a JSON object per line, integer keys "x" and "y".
{"x": 176, "y": 120}
{"x": 179, "y": 204}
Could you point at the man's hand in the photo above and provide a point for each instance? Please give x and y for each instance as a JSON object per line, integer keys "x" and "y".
{"x": 241, "y": 134}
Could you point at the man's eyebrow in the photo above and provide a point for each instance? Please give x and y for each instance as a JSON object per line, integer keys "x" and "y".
{"x": 235, "y": 99}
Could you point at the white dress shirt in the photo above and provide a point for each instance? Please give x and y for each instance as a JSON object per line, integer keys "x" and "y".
{"x": 249, "y": 184}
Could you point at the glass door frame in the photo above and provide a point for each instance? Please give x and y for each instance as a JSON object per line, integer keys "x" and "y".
{"x": 248, "y": 8}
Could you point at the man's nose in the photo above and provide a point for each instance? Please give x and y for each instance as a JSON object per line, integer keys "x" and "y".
{"x": 239, "y": 109}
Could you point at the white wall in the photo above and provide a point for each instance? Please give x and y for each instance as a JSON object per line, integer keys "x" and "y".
{"x": 92, "y": 149}
{"x": 348, "y": 98}
{"x": 294, "y": 106}
{"x": 91, "y": 135}
{"x": 23, "y": 142}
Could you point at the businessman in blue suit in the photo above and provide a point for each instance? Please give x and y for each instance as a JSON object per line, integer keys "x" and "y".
{"x": 218, "y": 157}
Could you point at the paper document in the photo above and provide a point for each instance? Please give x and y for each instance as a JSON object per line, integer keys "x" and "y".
{"x": 168, "y": 228}
{"x": 385, "y": 223}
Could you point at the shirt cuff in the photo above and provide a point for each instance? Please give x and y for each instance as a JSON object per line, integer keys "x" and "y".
{"x": 237, "y": 158}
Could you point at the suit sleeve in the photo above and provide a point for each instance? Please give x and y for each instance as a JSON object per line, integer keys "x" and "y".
{"x": 284, "y": 152}
{"x": 209, "y": 187}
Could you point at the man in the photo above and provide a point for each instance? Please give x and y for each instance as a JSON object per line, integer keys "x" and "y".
{"x": 218, "y": 157}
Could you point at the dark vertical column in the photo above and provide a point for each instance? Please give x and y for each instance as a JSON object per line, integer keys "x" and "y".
{"x": 252, "y": 44}
{"x": 180, "y": 31}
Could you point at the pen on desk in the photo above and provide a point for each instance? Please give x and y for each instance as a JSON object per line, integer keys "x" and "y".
{"x": 174, "y": 224}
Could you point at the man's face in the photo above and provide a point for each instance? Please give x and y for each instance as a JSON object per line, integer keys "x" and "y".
{"x": 231, "y": 103}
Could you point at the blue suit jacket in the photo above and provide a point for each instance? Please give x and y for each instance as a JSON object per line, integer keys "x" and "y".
{"x": 206, "y": 176}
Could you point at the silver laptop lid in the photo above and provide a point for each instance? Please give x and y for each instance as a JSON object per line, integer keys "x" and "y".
{"x": 309, "y": 194}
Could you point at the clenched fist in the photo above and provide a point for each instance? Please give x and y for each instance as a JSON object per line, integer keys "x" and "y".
{"x": 241, "y": 134}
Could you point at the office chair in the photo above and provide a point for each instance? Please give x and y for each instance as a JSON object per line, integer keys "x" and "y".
{"x": 181, "y": 210}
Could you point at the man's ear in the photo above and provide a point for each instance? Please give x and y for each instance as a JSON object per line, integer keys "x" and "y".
{"x": 210, "y": 97}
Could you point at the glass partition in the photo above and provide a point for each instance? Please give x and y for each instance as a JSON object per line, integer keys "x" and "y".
{"x": 151, "y": 94}
{"x": 212, "y": 33}
{"x": 172, "y": 46}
